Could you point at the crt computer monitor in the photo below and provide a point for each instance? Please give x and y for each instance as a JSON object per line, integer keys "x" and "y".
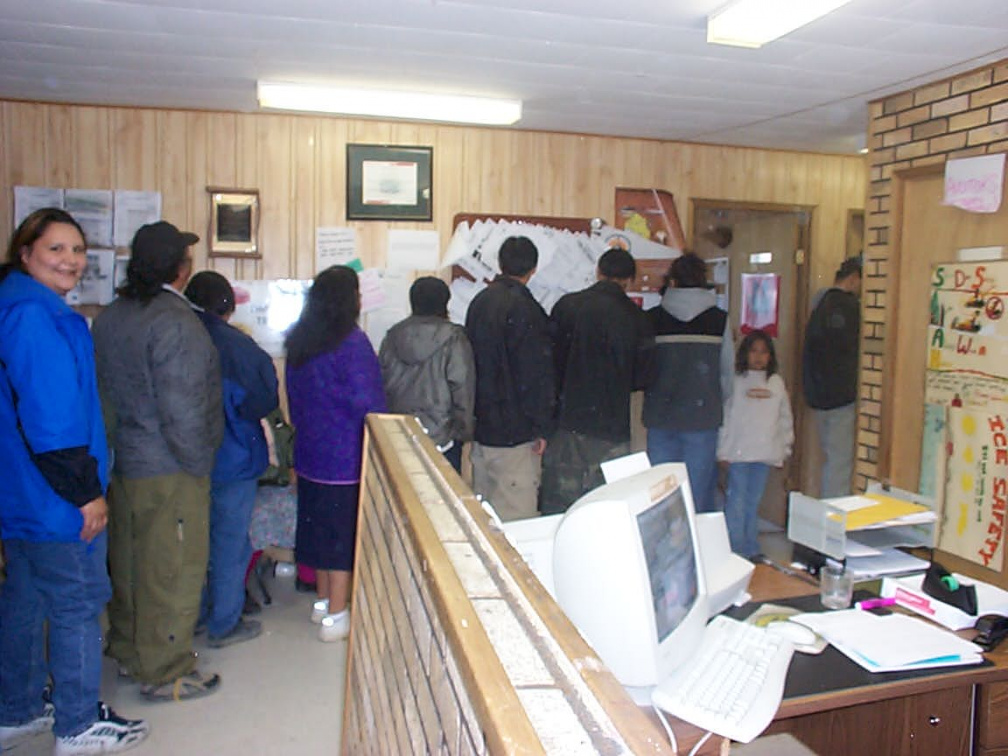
{"x": 628, "y": 574}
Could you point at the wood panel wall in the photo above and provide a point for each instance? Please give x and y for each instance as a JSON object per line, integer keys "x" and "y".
{"x": 298, "y": 163}
{"x": 961, "y": 116}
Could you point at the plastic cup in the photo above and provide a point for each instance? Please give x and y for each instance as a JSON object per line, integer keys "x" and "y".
{"x": 836, "y": 587}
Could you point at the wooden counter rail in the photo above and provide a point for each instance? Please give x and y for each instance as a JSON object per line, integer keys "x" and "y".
{"x": 454, "y": 646}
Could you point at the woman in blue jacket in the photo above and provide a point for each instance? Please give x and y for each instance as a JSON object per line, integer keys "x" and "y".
{"x": 52, "y": 499}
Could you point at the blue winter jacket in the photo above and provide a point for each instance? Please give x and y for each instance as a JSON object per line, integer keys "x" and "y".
{"x": 249, "y": 383}
{"x": 49, "y": 400}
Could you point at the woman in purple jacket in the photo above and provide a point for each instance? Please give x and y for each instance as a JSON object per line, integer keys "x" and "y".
{"x": 333, "y": 381}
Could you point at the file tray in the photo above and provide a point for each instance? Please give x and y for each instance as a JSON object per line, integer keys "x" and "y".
{"x": 824, "y": 525}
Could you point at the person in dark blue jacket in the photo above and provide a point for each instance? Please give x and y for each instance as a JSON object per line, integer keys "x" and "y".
{"x": 249, "y": 383}
{"x": 53, "y": 512}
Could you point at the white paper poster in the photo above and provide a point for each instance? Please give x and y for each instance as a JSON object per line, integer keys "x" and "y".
{"x": 372, "y": 292}
{"x": 975, "y": 183}
{"x": 28, "y": 199}
{"x": 396, "y": 285}
{"x": 413, "y": 250}
{"x": 134, "y": 209}
{"x": 334, "y": 245}
{"x": 97, "y": 284}
{"x": 266, "y": 309}
{"x": 93, "y": 209}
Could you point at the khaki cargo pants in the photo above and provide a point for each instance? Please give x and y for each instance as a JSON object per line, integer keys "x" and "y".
{"x": 158, "y": 546}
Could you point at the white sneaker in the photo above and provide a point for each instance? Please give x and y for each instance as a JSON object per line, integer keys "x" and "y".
{"x": 319, "y": 610}
{"x": 335, "y": 627}
{"x": 17, "y": 734}
{"x": 110, "y": 733}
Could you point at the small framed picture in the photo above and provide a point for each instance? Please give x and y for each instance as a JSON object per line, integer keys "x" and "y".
{"x": 386, "y": 182}
{"x": 234, "y": 222}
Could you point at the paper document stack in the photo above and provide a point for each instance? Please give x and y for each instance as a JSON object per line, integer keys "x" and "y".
{"x": 891, "y": 643}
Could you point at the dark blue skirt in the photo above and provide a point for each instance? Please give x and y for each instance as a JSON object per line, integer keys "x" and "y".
{"x": 326, "y": 525}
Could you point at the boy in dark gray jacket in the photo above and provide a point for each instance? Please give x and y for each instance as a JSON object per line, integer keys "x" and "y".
{"x": 428, "y": 369}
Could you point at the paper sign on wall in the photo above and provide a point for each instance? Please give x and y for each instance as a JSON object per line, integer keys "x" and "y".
{"x": 413, "y": 250}
{"x": 334, "y": 245}
{"x": 975, "y": 183}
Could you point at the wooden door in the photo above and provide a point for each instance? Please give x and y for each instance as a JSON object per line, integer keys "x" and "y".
{"x": 764, "y": 239}
{"x": 929, "y": 233}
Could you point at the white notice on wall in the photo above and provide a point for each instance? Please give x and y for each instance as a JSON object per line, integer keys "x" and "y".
{"x": 92, "y": 208}
{"x": 372, "y": 292}
{"x": 266, "y": 309}
{"x": 975, "y": 183}
{"x": 334, "y": 245}
{"x": 28, "y": 199}
{"x": 413, "y": 250}
{"x": 132, "y": 210}
{"x": 97, "y": 284}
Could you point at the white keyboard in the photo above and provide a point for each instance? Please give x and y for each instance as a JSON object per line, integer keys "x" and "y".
{"x": 733, "y": 685}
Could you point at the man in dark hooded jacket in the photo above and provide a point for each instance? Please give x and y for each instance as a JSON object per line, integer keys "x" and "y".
{"x": 428, "y": 369}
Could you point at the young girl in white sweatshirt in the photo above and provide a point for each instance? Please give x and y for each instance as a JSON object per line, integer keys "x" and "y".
{"x": 757, "y": 433}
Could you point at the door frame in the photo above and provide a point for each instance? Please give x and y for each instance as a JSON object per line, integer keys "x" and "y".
{"x": 891, "y": 331}
{"x": 803, "y": 243}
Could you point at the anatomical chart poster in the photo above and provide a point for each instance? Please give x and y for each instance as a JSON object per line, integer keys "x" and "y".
{"x": 964, "y": 459}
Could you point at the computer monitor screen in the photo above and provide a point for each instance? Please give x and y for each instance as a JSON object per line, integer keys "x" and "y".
{"x": 627, "y": 572}
{"x": 671, "y": 564}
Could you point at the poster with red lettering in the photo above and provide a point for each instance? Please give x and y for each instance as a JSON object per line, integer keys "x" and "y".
{"x": 964, "y": 460}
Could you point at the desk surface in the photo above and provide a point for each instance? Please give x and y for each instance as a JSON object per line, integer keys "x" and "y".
{"x": 809, "y": 690}
{"x": 831, "y": 680}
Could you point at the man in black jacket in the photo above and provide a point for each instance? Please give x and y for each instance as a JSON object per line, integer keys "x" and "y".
{"x": 510, "y": 338}
{"x": 603, "y": 350}
{"x": 830, "y": 375}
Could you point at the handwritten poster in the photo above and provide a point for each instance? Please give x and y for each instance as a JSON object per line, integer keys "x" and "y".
{"x": 964, "y": 456}
{"x": 334, "y": 245}
{"x": 975, "y": 183}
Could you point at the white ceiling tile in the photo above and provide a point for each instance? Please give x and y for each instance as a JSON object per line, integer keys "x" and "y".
{"x": 629, "y": 68}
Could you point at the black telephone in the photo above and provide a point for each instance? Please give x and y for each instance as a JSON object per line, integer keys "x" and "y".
{"x": 991, "y": 630}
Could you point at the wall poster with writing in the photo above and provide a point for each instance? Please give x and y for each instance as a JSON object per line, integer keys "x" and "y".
{"x": 964, "y": 459}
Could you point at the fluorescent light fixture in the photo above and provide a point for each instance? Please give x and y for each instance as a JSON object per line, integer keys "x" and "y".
{"x": 753, "y": 23}
{"x": 385, "y": 104}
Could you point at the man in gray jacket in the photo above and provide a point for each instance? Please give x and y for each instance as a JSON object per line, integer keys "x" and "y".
{"x": 159, "y": 376}
{"x": 428, "y": 369}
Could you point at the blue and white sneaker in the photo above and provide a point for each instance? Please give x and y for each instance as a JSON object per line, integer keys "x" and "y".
{"x": 110, "y": 733}
{"x": 17, "y": 734}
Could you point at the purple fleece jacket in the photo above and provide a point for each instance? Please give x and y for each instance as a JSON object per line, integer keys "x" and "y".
{"x": 329, "y": 396}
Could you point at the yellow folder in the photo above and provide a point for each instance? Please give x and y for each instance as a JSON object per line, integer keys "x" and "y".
{"x": 886, "y": 508}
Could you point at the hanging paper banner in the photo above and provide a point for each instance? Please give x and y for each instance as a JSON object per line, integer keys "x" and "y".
{"x": 760, "y": 300}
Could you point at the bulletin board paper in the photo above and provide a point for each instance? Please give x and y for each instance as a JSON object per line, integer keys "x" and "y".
{"x": 964, "y": 456}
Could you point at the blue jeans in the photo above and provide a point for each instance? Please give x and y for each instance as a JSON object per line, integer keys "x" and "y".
{"x": 230, "y": 552}
{"x": 698, "y": 449}
{"x": 68, "y": 584}
{"x": 746, "y": 481}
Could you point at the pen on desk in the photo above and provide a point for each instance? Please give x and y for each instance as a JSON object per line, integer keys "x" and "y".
{"x": 875, "y": 603}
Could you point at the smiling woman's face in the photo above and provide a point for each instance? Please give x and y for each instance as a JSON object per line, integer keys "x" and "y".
{"x": 57, "y": 258}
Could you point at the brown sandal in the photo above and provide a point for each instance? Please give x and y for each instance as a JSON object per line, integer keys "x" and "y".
{"x": 192, "y": 685}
